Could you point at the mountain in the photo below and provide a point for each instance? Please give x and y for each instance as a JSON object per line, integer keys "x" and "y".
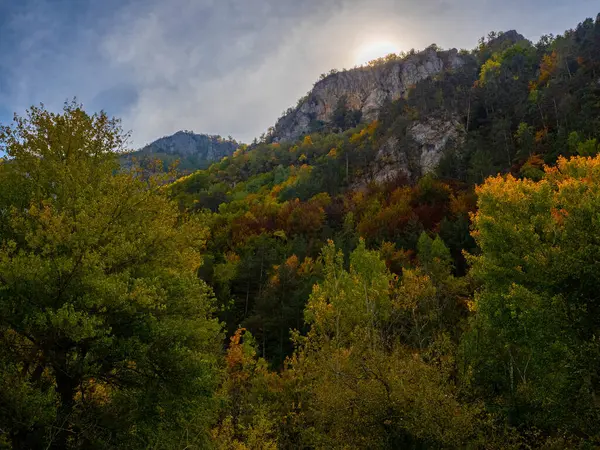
{"x": 364, "y": 90}
{"x": 406, "y": 157}
{"x": 193, "y": 151}
{"x": 384, "y": 153}
{"x": 436, "y": 87}
{"x": 345, "y": 99}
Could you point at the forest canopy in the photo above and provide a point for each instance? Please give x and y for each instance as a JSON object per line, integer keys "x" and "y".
{"x": 286, "y": 297}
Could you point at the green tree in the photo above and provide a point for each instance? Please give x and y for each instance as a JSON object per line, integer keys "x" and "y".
{"x": 533, "y": 350}
{"x": 525, "y": 139}
{"x": 247, "y": 421}
{"x": 343, "y": 117}
{"x": 106, "y": 339}
{"x": 434, "y": 256}
{"x": 362, "y": 387}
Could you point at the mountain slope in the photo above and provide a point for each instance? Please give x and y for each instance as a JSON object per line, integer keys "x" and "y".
{"x": 364, "y": 89}
{"x": 510, "y": 106}
{"x": 193, "y": 151}
{"x": 416, "y": 141}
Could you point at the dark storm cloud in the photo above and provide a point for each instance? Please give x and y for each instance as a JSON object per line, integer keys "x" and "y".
{"x": 225, "y": 66}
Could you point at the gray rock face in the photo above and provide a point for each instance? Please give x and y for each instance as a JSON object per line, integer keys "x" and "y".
{"x": 429, "y": 139}
{"x": 433, "y": 136}
{"x": 365, "y": 89}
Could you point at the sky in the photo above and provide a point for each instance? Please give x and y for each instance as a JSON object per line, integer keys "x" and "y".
{"x": 228, "y": 67}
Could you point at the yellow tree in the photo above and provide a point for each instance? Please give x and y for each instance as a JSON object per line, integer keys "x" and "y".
{"x": 534, "y": 344}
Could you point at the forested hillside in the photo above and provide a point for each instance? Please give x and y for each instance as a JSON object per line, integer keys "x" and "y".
{"x": 514, "y": 107}
{"x": 418, "y": 271}
{"x": 185, "y": 151}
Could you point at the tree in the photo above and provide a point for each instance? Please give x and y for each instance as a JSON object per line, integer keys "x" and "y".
{"x": 525, "y": 139}
{"x": 365, "y": 389}
{"x": 105, "y": 335}
{"x": 280, "y": 306}
{"x": 245, "y": 422}
{"x": 343, "y": 117}
{"x": 533, "y": 349}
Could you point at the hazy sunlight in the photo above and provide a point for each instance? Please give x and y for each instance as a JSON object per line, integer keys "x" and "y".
{"x": 373, "y": 50}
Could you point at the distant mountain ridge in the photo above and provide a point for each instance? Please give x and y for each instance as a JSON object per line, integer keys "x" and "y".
{"x": 344, "y": 99}
{"x": 193, "y": 151}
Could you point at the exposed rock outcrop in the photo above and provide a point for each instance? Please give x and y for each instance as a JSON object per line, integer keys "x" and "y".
{"x": 420, "y": 151}
{"x": 365, "y": 89}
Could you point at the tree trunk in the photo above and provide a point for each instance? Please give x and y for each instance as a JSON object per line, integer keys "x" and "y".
{"x": 568, "y": 68}
{"x": 247, "y": 298}
{"x": 507, "y": 149}
{"x": 541, "y": 115}
{"x": 469, "y": 112}
{"x": 65, "y": 387}
{"x": 347, "y": 171}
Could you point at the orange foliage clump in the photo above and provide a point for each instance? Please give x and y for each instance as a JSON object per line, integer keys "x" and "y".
{"x": 236, "y": 358}
{"x": 301, "y": 217}
{"x": 541, "y": 135}
{"x": 548, "y": 67}
{"x": 532, "y": 86}
{"x": 463, "y": 203}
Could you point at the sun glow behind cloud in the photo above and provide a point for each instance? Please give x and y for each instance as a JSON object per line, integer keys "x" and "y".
{"x": 228, "y": 67}
{"x": 373, "y": 50}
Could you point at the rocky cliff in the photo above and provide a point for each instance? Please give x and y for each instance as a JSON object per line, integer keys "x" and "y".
{"x": 364, "y": 89}
{"x": 420, "y": 150}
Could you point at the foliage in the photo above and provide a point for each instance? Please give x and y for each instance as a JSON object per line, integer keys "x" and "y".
{"x": 533, "y": 348}
{"x": 353, "y": 381}
{"x": 107, "y": 339}
{"x": 415, "y": 311}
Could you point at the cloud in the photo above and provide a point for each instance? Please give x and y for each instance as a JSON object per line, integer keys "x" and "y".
{"x": 227, "y": 67}
{"x": 50, "y": 53}
{"x": 119, "y": 99}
